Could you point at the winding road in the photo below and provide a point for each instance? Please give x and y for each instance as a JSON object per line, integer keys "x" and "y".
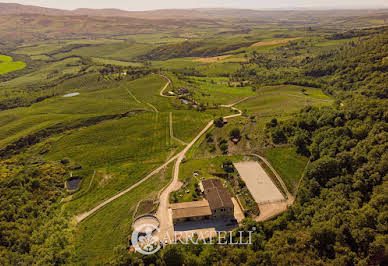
{"x": 166, "y": 86}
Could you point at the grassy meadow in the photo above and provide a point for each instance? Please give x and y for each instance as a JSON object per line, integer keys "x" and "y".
{"x": 8, "y": 65}
{"x": 289, "y": 164}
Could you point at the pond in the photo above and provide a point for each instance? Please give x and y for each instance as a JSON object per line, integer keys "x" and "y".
{"x": 71, "y": 94}
{"x": 73, "y": 184}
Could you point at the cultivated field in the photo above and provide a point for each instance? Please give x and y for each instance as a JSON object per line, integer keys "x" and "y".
{"x": 211, "y": 59}
{"x": 274, "y": 42}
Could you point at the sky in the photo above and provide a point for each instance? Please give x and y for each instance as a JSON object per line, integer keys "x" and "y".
{"x": 167, "y": 4}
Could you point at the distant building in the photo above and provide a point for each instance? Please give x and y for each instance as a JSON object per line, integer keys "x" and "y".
{"x": 218, "y": 204}
{"x": 235, "y": 140}
{"x": 183, "y": 91}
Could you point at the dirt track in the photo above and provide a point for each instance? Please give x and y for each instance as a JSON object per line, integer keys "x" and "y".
{"x": 172, "y": 132}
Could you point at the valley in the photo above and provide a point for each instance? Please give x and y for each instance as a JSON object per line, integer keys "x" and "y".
{"x": 282, "y": 108}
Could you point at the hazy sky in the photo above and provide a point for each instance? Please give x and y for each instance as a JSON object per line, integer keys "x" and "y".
{"x": 162, "y": 4}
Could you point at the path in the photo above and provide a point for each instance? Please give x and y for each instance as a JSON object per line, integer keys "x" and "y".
{"x": 162, "y": 212}
{"x": 153, "y": 107}
{"x": 84, "y": 215}
{"x": 133, "y": 96}
{"x": 166, "y": 86}
{"x": 239, "y": 101}
{"x": 137, "y": 100}
{"x": 172, "y": 132}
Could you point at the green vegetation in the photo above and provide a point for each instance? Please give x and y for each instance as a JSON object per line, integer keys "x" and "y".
{"x": 289, "y": 164}
{"x": 31, "y": 229}
{"x": 8, "y": 65}
{"x": 98, "y": 236}
{"x": 315, "y": 91}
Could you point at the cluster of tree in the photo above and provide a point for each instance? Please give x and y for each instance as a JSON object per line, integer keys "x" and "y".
{"x": 350, "y": 66}
{"x": 355, "y": 66}
{"x": 351, "y": 34}
{"x": 223, "y": 145}
{"x": 121, "y": 72}
{"x": 31, "y": 230}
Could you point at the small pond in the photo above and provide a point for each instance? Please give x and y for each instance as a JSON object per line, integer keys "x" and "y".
{"x": 73, "y": 183}
{"x": 71, "y": 94}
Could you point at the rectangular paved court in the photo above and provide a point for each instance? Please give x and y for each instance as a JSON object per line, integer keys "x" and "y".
{"x": 258, "y": 182}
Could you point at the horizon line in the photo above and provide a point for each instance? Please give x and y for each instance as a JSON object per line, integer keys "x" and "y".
{"x": 295, "y": 8}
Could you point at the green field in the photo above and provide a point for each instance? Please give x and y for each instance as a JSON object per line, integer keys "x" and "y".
{"x": 288, "y": 164}
{"x": 8, "y": 65}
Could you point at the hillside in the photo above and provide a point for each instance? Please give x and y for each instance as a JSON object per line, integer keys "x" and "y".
{"x": 108, "y": 115}
{"x": 201, "y": 13}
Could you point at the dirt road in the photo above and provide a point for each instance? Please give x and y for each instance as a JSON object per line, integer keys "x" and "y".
{"x": 166, "y": 86}
{"x": 162, "y": 213}
{"x": 172, "y": 132}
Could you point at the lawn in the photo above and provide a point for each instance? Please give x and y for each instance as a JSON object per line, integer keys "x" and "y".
{"x": 8, "y": 65}
{"x": 288, "y": 164}
{"x": 127, "y": 149}
{"x": 207, "y": 167}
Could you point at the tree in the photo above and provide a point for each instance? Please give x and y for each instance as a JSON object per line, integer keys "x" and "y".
{"x": 301, "y": 141}
{"x": 273, "y": 123}
{"x": 209, "y": 137}
{"x": 278, "y": 136}
{"x": 224, "y": 148}
{"x": 173, "y": 255}
{"x": 235, "y": 133}
{"x": 219, "y": 122}
{"x": 228, "y": 166}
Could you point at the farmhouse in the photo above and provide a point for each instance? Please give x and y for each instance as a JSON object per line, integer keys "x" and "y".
{"x": 217, "y": 204}
{"x": 191, "y": 211}
{"x": 219, "y": 199}
{"x": 182, "y": 91}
